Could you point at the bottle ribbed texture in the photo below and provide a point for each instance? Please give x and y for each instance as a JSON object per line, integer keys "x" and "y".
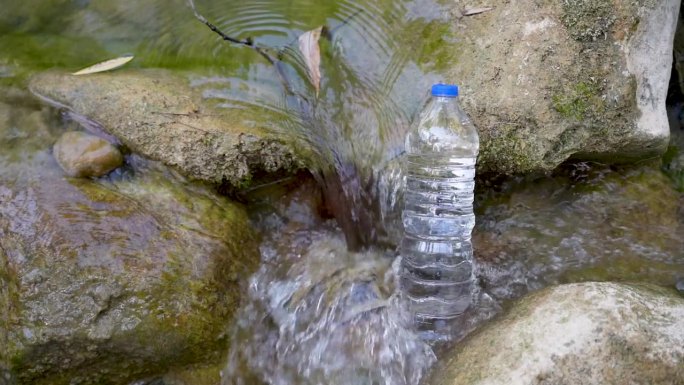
{"x": 437, "y": 256}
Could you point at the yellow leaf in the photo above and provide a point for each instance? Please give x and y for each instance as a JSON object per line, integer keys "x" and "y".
{"x": 475, "y": 11}
{"x": 308, "y": 45}
{"x": 105, "y": 65}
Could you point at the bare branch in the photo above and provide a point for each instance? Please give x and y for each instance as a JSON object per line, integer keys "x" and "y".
{"x": 248, "y": 42}
{"x": 346, "y": 20}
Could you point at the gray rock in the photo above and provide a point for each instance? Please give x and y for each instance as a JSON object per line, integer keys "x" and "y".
{"x": 157, "y": 114}
{"x": 580, "y": 78}
{"x": 587, "y": 333}
{"x": 83, "y": 155}
{"x": 104, "y": 281}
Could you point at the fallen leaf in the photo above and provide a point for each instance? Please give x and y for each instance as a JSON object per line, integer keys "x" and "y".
{"x": 308, "y": 45}
{"x": 105, "y": 65}
{"x": 475, "y": 11}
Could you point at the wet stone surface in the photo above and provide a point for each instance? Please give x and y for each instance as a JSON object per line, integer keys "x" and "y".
{"x": 576, "y": 334}
{"x": 83, "y": 155}
{"x": 588, "y": 222}
{"x": 106, "y": 280}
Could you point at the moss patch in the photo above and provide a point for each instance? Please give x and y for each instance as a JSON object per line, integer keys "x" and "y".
{"x": 673, "y": 166}
{"x": 580, "y": 102}
{"x": 511, "y": 150}
{"x": 8, "y": 304}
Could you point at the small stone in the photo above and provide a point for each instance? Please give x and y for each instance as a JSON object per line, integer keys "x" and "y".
{"x": 84, "y": 155}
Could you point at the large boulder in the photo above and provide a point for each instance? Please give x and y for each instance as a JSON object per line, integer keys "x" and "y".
{"x": 106, "y": 280}
{"x": 157, "y": 114}
{"x": 588, "y": 333}
{"x": 545, "y": 81}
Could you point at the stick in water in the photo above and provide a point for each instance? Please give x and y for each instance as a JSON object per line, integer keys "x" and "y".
{"x": 248, "y": 42}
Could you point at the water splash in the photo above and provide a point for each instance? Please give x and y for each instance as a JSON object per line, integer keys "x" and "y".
{"x": 321, "y": 315}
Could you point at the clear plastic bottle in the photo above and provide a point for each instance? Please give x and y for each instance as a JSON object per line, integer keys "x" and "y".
{"x": 437, "y": 256}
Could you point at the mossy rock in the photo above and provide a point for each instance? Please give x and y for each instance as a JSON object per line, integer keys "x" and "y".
{"x": 157, "y": 114}
{"x": 107, "y": 280}
{"x": 545, "y": 81}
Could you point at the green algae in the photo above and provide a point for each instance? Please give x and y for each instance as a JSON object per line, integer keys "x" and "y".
{"x": 434, "y": 45}
{"x": 580, "y": 102}
{"x": 9, "y": 302}
{"x": 208, "y": 374}
{"x": 673, "y": 168}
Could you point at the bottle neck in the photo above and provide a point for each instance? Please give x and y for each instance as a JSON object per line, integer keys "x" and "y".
{"x": 445, "y": 99}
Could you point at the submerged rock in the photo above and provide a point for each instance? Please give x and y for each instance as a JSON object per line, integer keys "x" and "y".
{"x": 103, "y": 281}
{"x": 157, "y": 114}
{"x": 589, "y": 333}
{"x": 545, "y": 81}
{"x": 83, "y": 155}
{"x": 589, "y": 222}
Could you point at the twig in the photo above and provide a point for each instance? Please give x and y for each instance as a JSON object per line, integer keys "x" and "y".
{"x": 347, "y": 20}
{"x": 248, "y": 42}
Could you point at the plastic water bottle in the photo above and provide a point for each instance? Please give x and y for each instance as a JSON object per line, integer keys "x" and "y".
{"x": 437, "y": 256}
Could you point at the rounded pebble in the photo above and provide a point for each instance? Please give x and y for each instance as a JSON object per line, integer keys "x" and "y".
{"x": 84, "y": 155}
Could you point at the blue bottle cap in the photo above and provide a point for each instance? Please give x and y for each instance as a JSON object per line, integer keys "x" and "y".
{"x": 447, "y": 90}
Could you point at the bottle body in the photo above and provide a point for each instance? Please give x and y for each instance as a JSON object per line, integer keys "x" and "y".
{"x": 437, "y": 257}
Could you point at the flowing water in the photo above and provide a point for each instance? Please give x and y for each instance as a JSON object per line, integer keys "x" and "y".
{"x": 323, "y": 307}
{"x": 375, "y": 55}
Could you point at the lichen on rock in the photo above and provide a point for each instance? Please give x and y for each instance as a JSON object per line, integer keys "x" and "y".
{"x": 548, "y": 81}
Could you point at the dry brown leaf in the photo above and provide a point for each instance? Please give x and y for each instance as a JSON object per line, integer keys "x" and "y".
{"x": 308, "y": 45}
{"x": 105, "y": 65}
{"x": 475, "y": 11}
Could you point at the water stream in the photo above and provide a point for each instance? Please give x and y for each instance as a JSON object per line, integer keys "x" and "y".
{"x": 323, "y": 308}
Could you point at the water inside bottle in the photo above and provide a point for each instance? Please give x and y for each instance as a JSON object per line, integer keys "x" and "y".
{"x": 437, "y": 268}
